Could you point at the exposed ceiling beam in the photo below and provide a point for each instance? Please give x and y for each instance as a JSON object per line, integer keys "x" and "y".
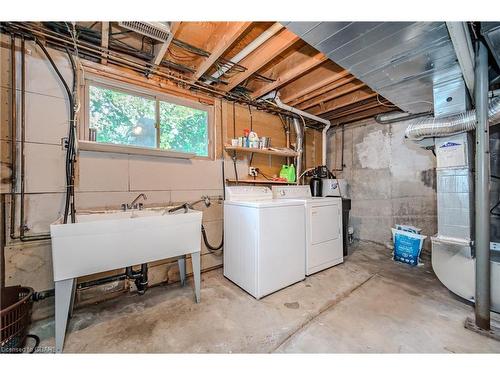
{"x": 220, "y": 44}
{"x": 160, "y": 49}
{"x": 319, "y": 77}
{"x": 291, "y": 74}
{"x": 262, "y": 56}
{"x": 326, "y": 88}
{"x": 354, "y": 108}
{"x": 332, "y": 94}
{"x": 345, "y": 100}
{"x": 360, "y": 115}
{"x": 104, "y": 40}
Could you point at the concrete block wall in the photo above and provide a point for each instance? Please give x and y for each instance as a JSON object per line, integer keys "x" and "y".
{"x": 104, "y": 180}
{"x": 391, "y": 180}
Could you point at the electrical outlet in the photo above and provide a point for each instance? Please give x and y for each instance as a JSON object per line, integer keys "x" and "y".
{"x": 252, "y": 171}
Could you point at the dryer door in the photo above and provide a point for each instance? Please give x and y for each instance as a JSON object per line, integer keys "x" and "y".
{"x": 324, "y": 248}
{"x": 325, "y": 223}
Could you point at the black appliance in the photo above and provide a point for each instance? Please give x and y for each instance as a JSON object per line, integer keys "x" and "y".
{"x": 316, "y": 175}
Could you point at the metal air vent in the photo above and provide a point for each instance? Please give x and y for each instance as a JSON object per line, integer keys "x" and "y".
{"x": 156, "y": 30}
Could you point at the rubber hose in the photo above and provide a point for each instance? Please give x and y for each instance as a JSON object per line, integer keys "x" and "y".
{"x": 207, "y": 244}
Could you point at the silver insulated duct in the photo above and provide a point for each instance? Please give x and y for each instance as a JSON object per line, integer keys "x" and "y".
{"x": 438, "y": 127}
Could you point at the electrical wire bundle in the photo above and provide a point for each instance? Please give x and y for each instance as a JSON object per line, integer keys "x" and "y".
{"x": 69, "y": 206}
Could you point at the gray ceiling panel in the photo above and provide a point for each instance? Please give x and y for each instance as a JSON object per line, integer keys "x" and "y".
{"x": 342, "y": 37}
{"x": 300, "y": 28}
{"x": 399, "y": 60}
{"x": 324, "y": 31}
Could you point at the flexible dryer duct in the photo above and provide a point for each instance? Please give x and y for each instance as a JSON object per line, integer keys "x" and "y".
{"x": 437, "y": 127}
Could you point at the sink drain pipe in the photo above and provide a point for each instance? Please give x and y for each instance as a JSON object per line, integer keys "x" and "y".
{"x": 140, "y": 277}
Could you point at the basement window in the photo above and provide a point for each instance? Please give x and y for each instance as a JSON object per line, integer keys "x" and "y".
{"x": 118, "y": 116}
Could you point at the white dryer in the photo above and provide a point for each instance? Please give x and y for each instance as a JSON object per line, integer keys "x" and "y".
{"x": 323, "y": 226}
{"x": 264, "y": 240}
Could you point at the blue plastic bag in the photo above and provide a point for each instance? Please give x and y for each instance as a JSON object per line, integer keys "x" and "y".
{"x": 407, "y": 246}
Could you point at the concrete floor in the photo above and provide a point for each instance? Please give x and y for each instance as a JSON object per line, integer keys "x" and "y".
{"x": 369, "y": 304}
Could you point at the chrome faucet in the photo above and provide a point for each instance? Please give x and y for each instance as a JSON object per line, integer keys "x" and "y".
{"x": 134, "y": 205}
{"x": 189, "y": 206}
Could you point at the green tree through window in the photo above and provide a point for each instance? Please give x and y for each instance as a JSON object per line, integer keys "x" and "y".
{"x": 126, "y": 119}
{"x": 183, "y": 128}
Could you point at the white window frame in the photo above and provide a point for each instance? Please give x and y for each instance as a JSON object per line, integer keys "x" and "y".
{"x": 148, "y": 94}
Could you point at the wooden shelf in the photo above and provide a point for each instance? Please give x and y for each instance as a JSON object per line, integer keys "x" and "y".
{"x": 265, "y": 151}
{"x": 259, "y": 182}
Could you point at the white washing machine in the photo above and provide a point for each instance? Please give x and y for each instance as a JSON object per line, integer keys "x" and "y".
{"x": 323, "y": 226}
{"x": 264, "y": 240}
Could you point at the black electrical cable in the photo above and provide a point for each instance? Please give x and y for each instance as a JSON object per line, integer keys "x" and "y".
{"x": 72, "y": 140}
{"x": 207, "y": 244}
{"x": 234, "y": 120}
{"x": 341, "y": 152}
{"x": 263, "y": 174}
{"x": 235, "y": 168}
{"x": 69, "y": 151}
{"x": 496, "y": 214}
{"x": 234, "y": 155}
{"x": 251, "y": 117}
{"x": 37, "y": 342}
{"x": 85, "y": 48}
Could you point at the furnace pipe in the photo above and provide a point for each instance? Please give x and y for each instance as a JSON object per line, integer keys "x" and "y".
{"x": 482, "y": 189}
{"x": 299, "y": 133}
{"x": 438, "y": 127}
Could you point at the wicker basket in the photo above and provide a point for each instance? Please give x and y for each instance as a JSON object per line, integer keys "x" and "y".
{"x": 16, "y": 304}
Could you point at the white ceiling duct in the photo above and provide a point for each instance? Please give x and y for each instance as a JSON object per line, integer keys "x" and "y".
{"x": 156, "y": 30}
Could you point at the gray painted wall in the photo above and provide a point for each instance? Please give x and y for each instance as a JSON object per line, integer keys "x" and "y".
{"x": 391, "y": 180}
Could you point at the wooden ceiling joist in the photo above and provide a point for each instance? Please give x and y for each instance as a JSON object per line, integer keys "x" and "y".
{"x": 291, "y": 74}
{"x": 220, "y": 43}
{"x": 160, "y": 49}
{"x": 342, "y": 101}
{"x": 312, "y": 81}
{"x": 329, "y": 87}
{"x": 262, "y": 56}
{"x": 104, "y": 40}
{"x": 361, "y": 115}
{"x": 267, "y": 57}
{"x": 332, "y": 93}
{"x": 353, "y": 108}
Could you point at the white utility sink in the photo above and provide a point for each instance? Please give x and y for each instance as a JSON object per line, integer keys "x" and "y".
{"x": 106, "y": 240}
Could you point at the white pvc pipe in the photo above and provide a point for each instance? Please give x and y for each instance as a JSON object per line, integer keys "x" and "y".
{"x": 323, "y": 145}
{"x": 257, "y": 42}
{"x": 327, "y": 123}
{"x": 286, "y": 107}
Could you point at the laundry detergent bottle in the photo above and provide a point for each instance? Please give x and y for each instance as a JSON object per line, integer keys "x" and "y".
{"x": 284, "y": 172}
{"x": 291, "y": 173}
